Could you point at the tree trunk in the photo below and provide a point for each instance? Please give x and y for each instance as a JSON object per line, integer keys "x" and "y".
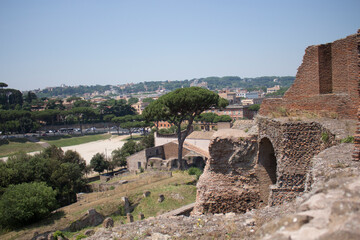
{"x": 180, "y": 147}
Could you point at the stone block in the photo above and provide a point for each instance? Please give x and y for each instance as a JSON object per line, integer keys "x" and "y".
{"x": 129, "y": 218}
{"x": 161, "y": 198}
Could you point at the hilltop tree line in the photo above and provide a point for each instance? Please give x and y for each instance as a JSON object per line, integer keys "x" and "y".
{"x": 213, "y": 83}
{"x": 18, "y": 113}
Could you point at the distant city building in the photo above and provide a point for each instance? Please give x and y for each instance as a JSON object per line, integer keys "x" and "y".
{"x": 235, "y": 111}
{"x": 255, "y": 94}
{"x": 230, "y": 96}
{"x": 140, "y": 106}
{"x": 241, "y": 93}
{"x": 196, "y": 83}
{"x": 251, "y": 101}
{"x": 273, "y": 89}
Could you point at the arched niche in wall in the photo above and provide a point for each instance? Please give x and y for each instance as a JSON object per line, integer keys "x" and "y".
{"x": 266, "y": 169}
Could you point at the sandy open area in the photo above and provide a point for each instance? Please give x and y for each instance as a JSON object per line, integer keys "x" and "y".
{"x": 88, "y": 150}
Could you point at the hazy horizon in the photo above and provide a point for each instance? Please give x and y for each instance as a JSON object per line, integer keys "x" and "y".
{"x": 87, "y": 42}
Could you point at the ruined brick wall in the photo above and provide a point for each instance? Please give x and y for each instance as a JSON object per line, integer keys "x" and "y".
{"x": 356, "y": 155}
{"x": 227, "y": 184}
{"x": 326, "y": 81}
{"x": 294, "y": 143}
{"x": 246, "y": 172}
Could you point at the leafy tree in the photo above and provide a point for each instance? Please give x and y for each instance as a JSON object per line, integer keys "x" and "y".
{"x": 148, "y": 141}
{"x": 27, "y": 202}
{"x": 182, "y": 105}
{"x": 222, "y": 118}
{"x": 82, "y": 114}
{"x": 254, "y": 107}
{"x": 30, "y": 96}
{"x": 63, "y": 172}
{"x": 119, "y": 158}
{"x": 3, "y": 85}
{"x": 98, "y": 163}
{"x": 82, "y": 103}
{"x": 206, "y": 117}
{"x": 148, "y": 100}
{"x": 133, "y": 100}
{"x": 120, "y": 108}
{"x": 73, "y": 98}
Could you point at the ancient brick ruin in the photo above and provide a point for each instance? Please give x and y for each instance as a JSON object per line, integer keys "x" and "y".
{"x": 356, "y": 155}
{"x": 326, "y": 82}
{"x": 249, "y": 171}
{"x": 246, "y": 171}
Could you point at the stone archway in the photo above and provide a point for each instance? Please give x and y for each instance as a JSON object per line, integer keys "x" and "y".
{"x": 266, "y": 169}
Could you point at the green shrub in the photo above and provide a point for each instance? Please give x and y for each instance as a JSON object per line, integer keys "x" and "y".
{"x": 25, "y": 203}
{"x": 121, "y": 210}
{"x": 325, "y": 137}
{"x": 58, "y": 234}
{"x": 195, "y": 171}
{"x": 348, "y": 139}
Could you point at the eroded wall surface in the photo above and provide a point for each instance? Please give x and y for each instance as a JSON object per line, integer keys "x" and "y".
{"x": 246, "y": 172}
{"x": 294, "y": 144}
{"x": 228, "y": 182}
{"x": 326, "y": 82}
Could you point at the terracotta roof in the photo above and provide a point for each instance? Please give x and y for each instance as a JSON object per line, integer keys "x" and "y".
{"x": 194, "y": 148}
{"x": 201, "y": 135}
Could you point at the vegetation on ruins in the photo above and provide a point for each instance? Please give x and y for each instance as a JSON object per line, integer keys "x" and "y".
{"x": 195, "y": 171}
{"x": 181, "y": 105}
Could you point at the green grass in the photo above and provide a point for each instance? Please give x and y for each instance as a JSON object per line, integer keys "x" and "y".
{"x": 175, "y": 197}
{"x": 348, "y": 139}
{"x": 10, "y": 147}
{"x": 67, "y": 140}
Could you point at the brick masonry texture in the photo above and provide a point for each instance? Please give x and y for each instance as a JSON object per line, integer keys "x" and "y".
{"x": 326, "y": 82}
{"x": 356, "y": 155}
{"x": 246, "y": 171}
{"x": 227, "y": 184}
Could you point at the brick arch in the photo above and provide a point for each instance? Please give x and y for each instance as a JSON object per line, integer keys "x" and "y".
{"x": 266, "y": 169}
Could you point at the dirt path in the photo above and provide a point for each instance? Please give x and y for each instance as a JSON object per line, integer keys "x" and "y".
{"x": 88, "y": 150}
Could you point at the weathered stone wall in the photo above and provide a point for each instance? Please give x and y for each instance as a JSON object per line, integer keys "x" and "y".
{"x": 326, "y": 81}
{"x": 246, "y": 172}
{"x": 136, "y": 161}
{"x": 294, "y": 143}
{"x": 227, "y": 184}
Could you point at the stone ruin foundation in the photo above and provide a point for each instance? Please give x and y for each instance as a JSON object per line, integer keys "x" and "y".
{"x": 246, "y": 171}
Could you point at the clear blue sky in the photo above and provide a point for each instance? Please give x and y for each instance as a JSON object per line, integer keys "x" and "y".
{"x": 48, "y": 43}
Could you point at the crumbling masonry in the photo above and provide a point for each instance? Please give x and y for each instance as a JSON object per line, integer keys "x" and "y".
{"x": 326, "y": 82}
{"x": 247, "y": 171}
